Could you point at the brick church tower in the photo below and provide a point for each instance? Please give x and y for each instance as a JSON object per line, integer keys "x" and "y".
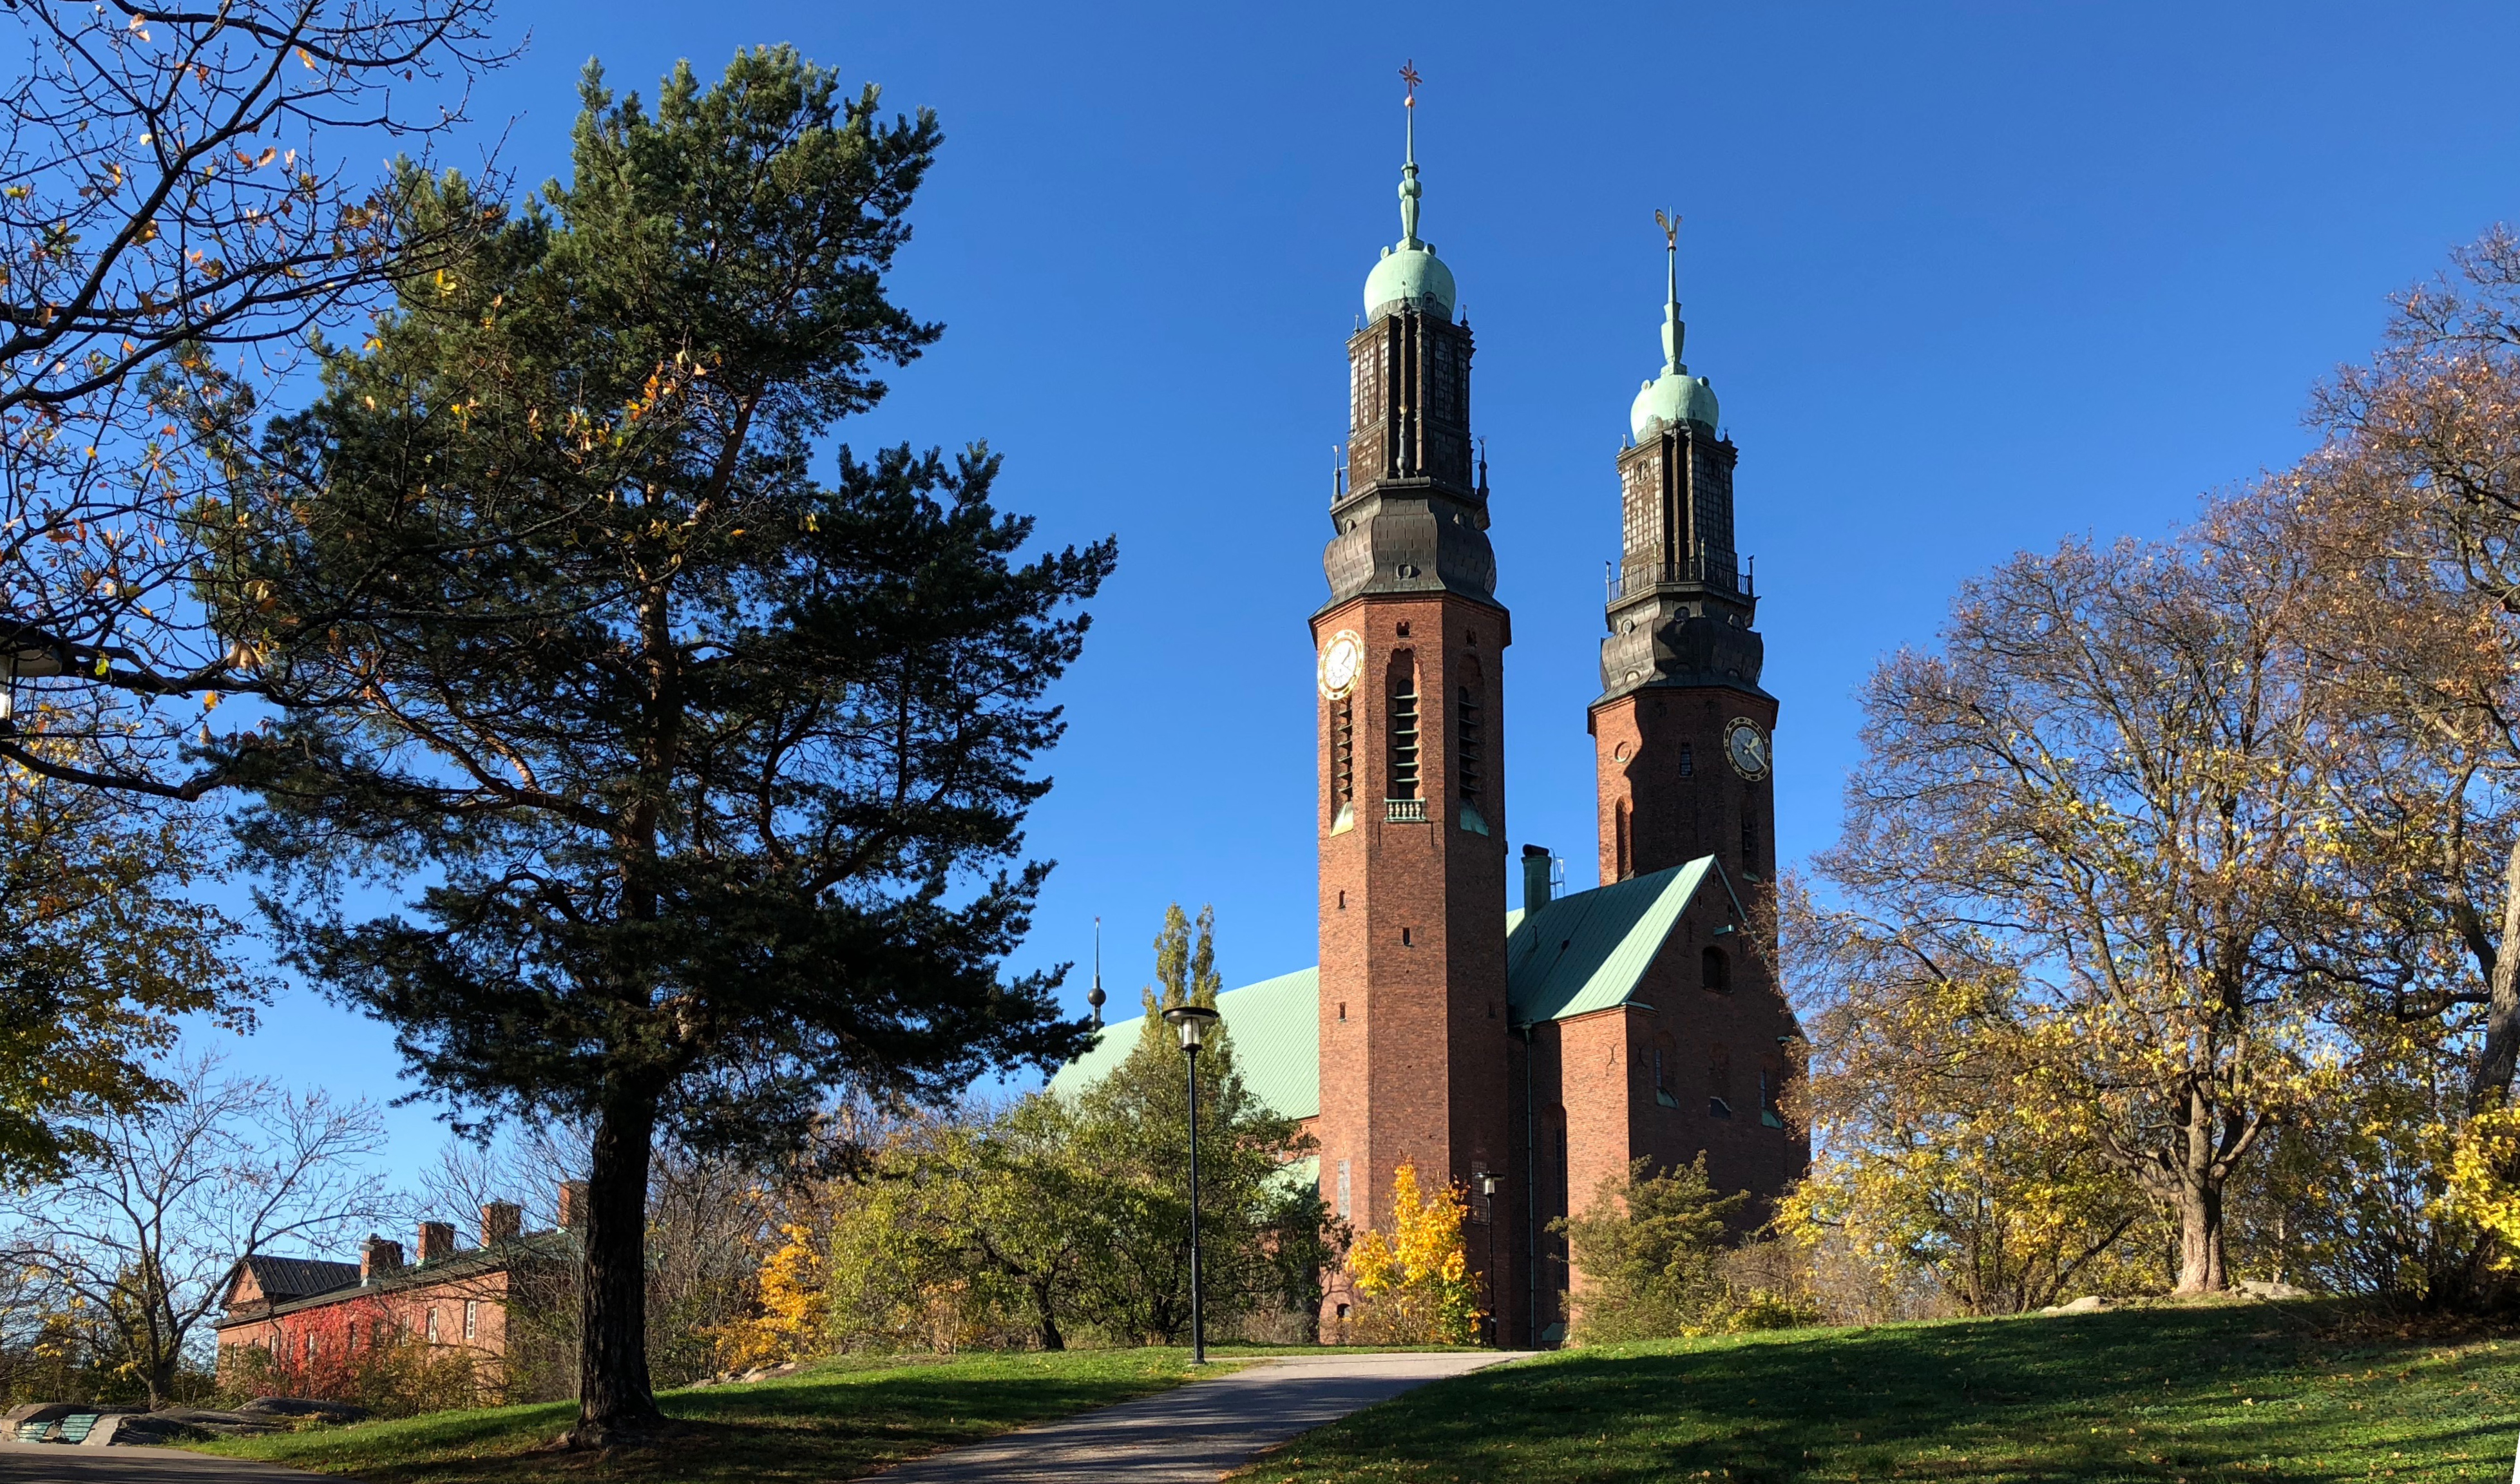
{"x": 1680, "y": 732}
{"x": 1411, "y": 750}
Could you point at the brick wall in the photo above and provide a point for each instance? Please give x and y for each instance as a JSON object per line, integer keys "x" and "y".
{"x": 1412, "y": 996}
{"x": 1674, "y": 816}
{"x": 351, "y": 1320}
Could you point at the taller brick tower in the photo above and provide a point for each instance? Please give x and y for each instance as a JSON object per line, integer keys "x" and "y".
{"x": 1411, "y": 813}
{"x": 1680, "y": 732}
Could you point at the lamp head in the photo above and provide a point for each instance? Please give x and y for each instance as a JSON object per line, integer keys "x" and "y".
{"x": 1488, "y": 1184}
{"x": 1193, "y": 1021}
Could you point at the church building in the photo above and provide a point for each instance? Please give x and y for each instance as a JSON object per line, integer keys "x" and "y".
{"x": 1542, "y": 1051}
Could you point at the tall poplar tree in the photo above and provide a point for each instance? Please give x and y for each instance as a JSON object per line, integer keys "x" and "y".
{"x": 707, "y": 775}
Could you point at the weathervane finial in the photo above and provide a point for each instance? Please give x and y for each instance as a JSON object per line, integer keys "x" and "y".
{"x": 1409, "y": 167}
{"x": 1672, "y": 330}
{"x": 1095, "y": 997}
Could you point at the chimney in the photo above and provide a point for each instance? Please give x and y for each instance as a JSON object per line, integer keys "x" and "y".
{"x": 1535, "y": 879}
{"x": 436, "y": 1241}
{"x": 572, "y": 1204}
{"x": 376, "y": 1258}
{"x": 501, "y": 1222}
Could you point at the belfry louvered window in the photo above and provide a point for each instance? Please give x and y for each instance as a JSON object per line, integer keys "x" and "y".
{"x": 1469, "y": 728}
{"x": 1402, "y": 731}
{"x": 1343, "y": 752}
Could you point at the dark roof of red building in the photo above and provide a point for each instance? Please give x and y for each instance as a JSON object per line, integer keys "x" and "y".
{"x": 534, "y": 1248}
{"x": 286, "y": 1277}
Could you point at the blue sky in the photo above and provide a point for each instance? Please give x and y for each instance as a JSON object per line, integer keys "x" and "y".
{"x": 1967, "y": 278}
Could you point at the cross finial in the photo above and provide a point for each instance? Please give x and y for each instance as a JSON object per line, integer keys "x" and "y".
{"x": 1409, "y": 167}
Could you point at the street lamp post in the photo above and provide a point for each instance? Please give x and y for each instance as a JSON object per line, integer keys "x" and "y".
{"x": 1488, "y": 1188}
{"x": 1193, "y": 1021}
{"x": 23, "y": 652}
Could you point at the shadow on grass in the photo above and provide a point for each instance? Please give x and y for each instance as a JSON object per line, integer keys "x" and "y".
{"x": 830, "y": 1423}
{"x": 2170, "y": 1396}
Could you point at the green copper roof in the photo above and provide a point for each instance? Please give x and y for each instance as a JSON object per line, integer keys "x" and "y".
{"x": 1276, "y": 1030}
{"x": 1586, "y": 951}
{"x": 1410, "y": 274}
{"x": 1577, "y": 955}
{"x": 1674, "y": 398}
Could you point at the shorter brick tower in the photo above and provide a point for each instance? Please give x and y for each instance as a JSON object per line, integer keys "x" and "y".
{"x": 1682, "y": 731}
{"x": 1412, "y": 802}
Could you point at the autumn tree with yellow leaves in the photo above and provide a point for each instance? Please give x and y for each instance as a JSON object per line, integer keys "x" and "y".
{"x": 1415, "y": 1279}
{"x": 2064, "y": 938}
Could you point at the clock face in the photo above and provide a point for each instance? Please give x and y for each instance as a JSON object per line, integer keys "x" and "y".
{"x": 1342, "y": 659}
{"x": 1746, "y": 746}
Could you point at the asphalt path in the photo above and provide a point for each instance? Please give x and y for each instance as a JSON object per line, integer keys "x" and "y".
{"x": 1193, "y": 1434}
{"x": 63, "y": 1464}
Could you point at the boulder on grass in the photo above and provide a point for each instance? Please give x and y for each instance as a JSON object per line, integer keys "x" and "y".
{"x": 2257, "y": 1289}
{"x": 119, "y": 1427}
{"x": 303, "y": 1406}
{"x": 174, "y": 1424}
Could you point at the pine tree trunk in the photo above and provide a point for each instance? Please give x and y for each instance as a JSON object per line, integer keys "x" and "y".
{"x": 616, "y": 1404}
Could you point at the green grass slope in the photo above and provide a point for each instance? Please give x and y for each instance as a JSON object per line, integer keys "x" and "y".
{"x": 2201, "y": 1395}
{"x": 837, "y": 1420}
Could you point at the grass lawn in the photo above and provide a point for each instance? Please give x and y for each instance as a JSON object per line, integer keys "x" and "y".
{"x": 2202, "y": 1395}
{"x": 834, "y": 1420}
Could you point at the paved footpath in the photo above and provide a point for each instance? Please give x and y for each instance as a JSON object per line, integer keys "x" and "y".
{"x": 60, "y": 1463}
{"x": 1192, "y": 1434}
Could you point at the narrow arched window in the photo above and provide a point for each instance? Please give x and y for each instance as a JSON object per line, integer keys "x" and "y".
{"x": 1469, "y": 732}
{"x": 1714, "y": 970}
{"x": 1688, "y": 760}
{"x": 1749, "y": 846}
{"x": 1666, "y": 1063}
{"x": 1402, "y": 732}
{"x": 1719, "y": 1082}
{"x": 1622, "y": 845}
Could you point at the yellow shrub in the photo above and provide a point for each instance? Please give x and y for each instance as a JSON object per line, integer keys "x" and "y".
{"x": 1416, "y": 1280}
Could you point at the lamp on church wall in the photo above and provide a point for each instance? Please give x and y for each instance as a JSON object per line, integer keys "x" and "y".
{"x": 1193, "y": 1021}
{"x": 1488, "y": 1184}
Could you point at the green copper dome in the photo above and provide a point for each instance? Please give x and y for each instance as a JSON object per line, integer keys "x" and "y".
{"x": 1674, "y": 398}
{"x": 1410, "y": 273}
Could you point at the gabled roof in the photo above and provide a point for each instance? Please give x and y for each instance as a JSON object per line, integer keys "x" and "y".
{"x": 1276, "y": 1029}
{"x": 530, "y": 1249}
{"x": 1586, "y": 952}
{"x": 282, "y": 1278}
{"x": 1579, "y": 954}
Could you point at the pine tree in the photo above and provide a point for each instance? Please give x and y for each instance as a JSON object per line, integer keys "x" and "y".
{"x": 708, "y": 772}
